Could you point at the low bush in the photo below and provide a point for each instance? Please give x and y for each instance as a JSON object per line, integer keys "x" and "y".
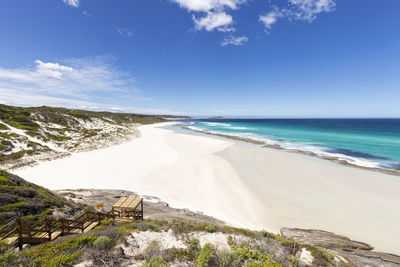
{"x": 293, "y": 260}
{"x": 155, "y": 261}
{"x": 103, "y": 242}
{"x": 7, "y": 256}
{"x": 57, "y": 253}
{"x": 211, "y": 228}
{"x": 206, "y": 256}
{"x": 153, "y": 249}
{"x": 193, "y": 248}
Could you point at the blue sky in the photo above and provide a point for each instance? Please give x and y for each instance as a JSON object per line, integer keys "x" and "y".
{"x": 264, "y": 58}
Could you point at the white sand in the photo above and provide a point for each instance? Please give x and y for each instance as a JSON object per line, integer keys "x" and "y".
{"x": 243, "y": 184}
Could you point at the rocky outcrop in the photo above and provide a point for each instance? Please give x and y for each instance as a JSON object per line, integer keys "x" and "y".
{"x": 358, "y": 253}
{"x": 324, "y": 239}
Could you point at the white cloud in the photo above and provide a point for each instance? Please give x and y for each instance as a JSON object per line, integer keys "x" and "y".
{"x": 73, "y": 3}
{"x": 303, "y": 10}
{"x": 123, "y": 31}
{"x": 208, "y": 5}
{"x": 231, "y": 40}
{"x": 53, "y": 70}
{"x": 215, "y": 13}
{"x": 270, "y": 18}
{"x": 213, "y": 21}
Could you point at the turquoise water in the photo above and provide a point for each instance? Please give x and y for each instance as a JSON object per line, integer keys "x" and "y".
{"x": 371, "y": 143}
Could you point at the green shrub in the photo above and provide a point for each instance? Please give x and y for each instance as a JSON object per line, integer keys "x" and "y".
{"x": 107, "y": 221}
{"x": 153, "y": 249}
{"x": 12, "y": 206}
{"x": 211, "y": 228}
{"x": 7, "y": 256}
{"x": 293, "y": 260}
{"x": 103, "y": 242}
{"x": 152, "y": 227}
{"x": 58, "y": 253}
{"x": 206, "y": 255}
{"x": 155, "y": 261}
{"x": 267, "y": 234}
{"x": 318, "y": 252}
{"x": 193, "y": 248}
{"x": 3, "y": 127}
{"x": 326, "y": 255}
{"x": 227, "y": 258}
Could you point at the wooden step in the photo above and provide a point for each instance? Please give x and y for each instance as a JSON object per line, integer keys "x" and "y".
{"x": 55, "y": 235}
{"x": 11, "y": 240}
{"x": 41, "y": 235}
{"x": 125, "y": 219}
{"x": 90, "y": 227}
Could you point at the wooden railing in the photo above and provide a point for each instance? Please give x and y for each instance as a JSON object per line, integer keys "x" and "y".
{"x": 15, "y": 232}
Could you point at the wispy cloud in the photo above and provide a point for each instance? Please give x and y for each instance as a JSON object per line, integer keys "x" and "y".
{"x": 213, "y": 21}
{"x": 303, "y": 10}
{"x": 232, "y": 40}
{"x": 73, "y": 3}
{"x": 309, "y": 9}
{"x": 92, "y": 82}
{"x": 126, "y": 32}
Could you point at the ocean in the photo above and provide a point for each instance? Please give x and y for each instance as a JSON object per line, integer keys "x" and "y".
{"x": 371, "y": 143}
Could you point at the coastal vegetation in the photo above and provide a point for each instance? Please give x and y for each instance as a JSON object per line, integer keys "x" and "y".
{"x": 108, "y": 245}
{"x": 30, "y": 201}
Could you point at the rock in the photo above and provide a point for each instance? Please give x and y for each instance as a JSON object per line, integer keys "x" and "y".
{"x": 304, "y": 258}
{"x": 324, "y": 239}
{"x": 386, "y": 257}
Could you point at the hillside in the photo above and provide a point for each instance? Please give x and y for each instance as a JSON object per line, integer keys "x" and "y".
{"x": 19, "y": 197}
{"x": 28, "y": 135}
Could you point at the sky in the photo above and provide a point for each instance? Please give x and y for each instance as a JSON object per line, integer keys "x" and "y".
{"x": 241, "y": 58}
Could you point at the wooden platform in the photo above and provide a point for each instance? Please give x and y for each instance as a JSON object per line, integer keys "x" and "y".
{"x": 128, "y": 208}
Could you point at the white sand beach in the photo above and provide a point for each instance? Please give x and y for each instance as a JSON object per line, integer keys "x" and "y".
{"x": 243, "y": 184}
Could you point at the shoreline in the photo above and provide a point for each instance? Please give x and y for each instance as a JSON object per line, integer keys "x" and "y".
{"x": 231, "y": 181}
{"x": 276, "y": 146}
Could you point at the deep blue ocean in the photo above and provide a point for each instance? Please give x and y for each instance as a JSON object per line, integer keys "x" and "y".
{"x": 373, "y": 143}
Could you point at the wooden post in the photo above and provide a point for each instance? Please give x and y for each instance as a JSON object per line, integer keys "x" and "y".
{"x": 62, "y": 226}
{"x": 48, "y": 229}
{"x": 19, "y": 229}
{"x": 141, "y": 206}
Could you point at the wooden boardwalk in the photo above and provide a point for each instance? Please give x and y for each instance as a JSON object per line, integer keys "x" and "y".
{"x": 18, "y": 233}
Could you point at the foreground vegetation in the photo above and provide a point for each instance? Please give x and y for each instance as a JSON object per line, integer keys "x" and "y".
{"x": 104, "y": 246}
